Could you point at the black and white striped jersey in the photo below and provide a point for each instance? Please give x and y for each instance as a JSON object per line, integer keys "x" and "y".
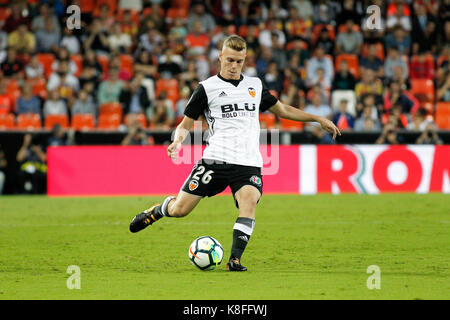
{"x": 231, "y": 108}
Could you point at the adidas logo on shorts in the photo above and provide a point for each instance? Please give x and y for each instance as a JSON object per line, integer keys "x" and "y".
{"x": 245, "y": 238}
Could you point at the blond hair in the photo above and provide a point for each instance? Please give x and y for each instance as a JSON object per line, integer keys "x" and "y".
{"x": 235, "y": 42}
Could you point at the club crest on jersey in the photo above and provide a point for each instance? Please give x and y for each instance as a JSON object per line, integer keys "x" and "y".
{"x": 255, "y": 180}
{"x": 193, "y": 184}
{"x": 252, "y": 92}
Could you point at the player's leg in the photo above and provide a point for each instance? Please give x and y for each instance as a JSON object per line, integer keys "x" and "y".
{"x": 247, "y": 193}
{"x": 172, "y": 206}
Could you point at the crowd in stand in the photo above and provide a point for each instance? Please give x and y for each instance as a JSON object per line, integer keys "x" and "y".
{"x": 133, "y": 64}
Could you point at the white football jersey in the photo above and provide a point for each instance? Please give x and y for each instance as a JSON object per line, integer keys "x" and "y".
{"x": 231, "y": 108}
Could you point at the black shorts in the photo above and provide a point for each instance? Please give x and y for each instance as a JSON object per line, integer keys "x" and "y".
{"x": 210, "y": 177}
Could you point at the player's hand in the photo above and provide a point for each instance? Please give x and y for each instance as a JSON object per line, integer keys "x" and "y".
{"x": 173, "y": 149}
{"x": 329, "y": 126}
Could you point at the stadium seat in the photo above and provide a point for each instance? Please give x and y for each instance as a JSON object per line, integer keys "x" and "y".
{"x": 78, "y": 60}
{"x": 423, "y": 90}
{"x": 39, "y": 86}
{"x": 148, "y": 11}
{"x": 268, "y": 119}
{"x": 429, "y": 106}
{"x": 4, "y": 13}
{"x": 349, "y": 95}
{"x": 342, "y": 28}
{"x": 46, "y": 59}
{"x": 7, "y": 121}
{"x": 443, "y": 115}
{"x": 170, "y": 86}
{"x": 29, "y": 121}
{"x": 318, "y": 27}
{"x": 108, "y": 122}
{"x": 180, "y": 4}
{"x": 380, "y": 50}
{"x": 83, "y": 122}
{"x": 137, "y": 117}
{"x": 87, "y": 6}
{"x": 104, "y": 62}
{"x": 173, "y": 13}
{"x": 287, "y": 124}
{"x": 52, "y": 119}
{"x": 243, "y": 30}
{"x": 352, "y": 60}
{"x": 111, "y": 108}
{"x": 126, "y": 62}
{"x": 134, "y": 15}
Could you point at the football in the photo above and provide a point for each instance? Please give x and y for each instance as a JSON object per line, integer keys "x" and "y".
{"x": 206, "y": 253}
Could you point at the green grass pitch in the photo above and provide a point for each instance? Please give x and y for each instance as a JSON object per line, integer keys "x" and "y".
{"x": 303, "y": 247}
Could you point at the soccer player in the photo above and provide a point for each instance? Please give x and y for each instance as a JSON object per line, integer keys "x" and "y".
{"x": 231, "y": 104}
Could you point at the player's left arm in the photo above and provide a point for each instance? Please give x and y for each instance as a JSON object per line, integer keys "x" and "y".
{"x": 291, "y": 113}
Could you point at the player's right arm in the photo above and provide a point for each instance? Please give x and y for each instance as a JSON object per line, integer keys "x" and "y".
{"x": 194, "y": 108}
{"x": 181, "y": 133}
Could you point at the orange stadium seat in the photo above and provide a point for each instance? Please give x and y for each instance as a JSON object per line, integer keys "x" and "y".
{"x": 342, "y": 27}
{"x": 138, "y": 117}
{"x": 4, "y": 13}
{"x": 87, "y": 6}
{"x": 29, "y": 121}
{"x": 46, "y": 59}
{"x": 52, "y": 119}
{"x": 173, "y": 13}
{"x": 78, "y": 60}
{"x": 290, "y": 124}
{"x": 148, "y": 11}
{"x": 126, "y": 62}
{"x": 170, "y": 86}
{"x": 180, "y": 4}
{"x": 111, "y": 108}
{"x": 7, "y": 121}
{"x": 318, "y": 27}
{"x": 134, "y": 15}
{"x": 443, "y": 115}
{"x": 104, "y": 62}
{"x": 39, "y": 86}
{"x": 380, "y": 50}
{"x": 423, "y": 89}
{"x": 108, "y": 121}
{"x": 83, "y": 122}
{"x": 268, "y": 119}
{"x": 352, "y": 60}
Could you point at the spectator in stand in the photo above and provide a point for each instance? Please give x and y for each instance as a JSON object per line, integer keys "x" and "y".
{"x": 106, "y": 17}
{"x": 400, "y": 39}
{"x": 28, "y": 102}
{"x": 325, "y": 11}
{"x": 349, "y": 41}
{"x": 344, "y": 79}
{"x": 96, "y": 39}
{"x": 265, "y": 36}
{"x": 119, "y": 42}
{"x": 342, "y": 119}
{"x": 323, "y": 82}
{"x": 136, "y": 136}
{"x": 46, "y": 39}
{"x": 22, "y": 40}
{"x": 16, "y": 18}
{"x": 3, "y": 45}
{"x": 295, "y": 26}
{"x": 170, "y": 64}
{"x": 444, "y": 34}
{"x": 304, "y": 9}
{"x": 443, "y": 92}
{"x": 225, "y": 12}
{"x": 34, "y": 68}
{"x": 185, "y": 93}
{"x": 325, "y": 42}
{"x": 3, "y": 166}
{"x": 372, "y": 61}
{"x": 366, "y": 122}
{"x": 392, "y": 61}
{"x": 66, "y": 83}
{"x": 423, "y": 30}
{"x": 109, "y": 90}
{"x": 39, "y": 21}
{"x": 151, "y": 41}
{"x": 197, "y": 41}
{"x": 129, "y": 26}
{"x": 422, "y": 67}
{"x": 84, "y": 104}
{"x": 63, "y": 54}
{"x": 114, "y": 62}
{"x": 369, "y": 84}
{"x": 252, "y": 38}
{"x": 198, "y": 13}
{"x": 6, "y": 103}
{"x": 299, "y": 50}
{"x": 369, "y": 101}
{"x": 273, "y": 79}
{"x": 161, "y": 114}
{"x": 178, "y": 30}
{"x": 58, "y": 137}
{"x": 319, "y": 60}
{"x": 388, "y": 135}
{"x": 419, "y": 121}
{"x": 429, "y": 136}
{"x": 133, "y": 96}
{"x": 317, "y": 107}
{"x": 70, "y": 41}
{"x": 32, "y": 175}
{"x": 145, "y": 64}
{"x": 54, "y": 104}
{"x": 349, "y": 11}
{"x": 396, "y": 117}
{"x": 396, "y": 94}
